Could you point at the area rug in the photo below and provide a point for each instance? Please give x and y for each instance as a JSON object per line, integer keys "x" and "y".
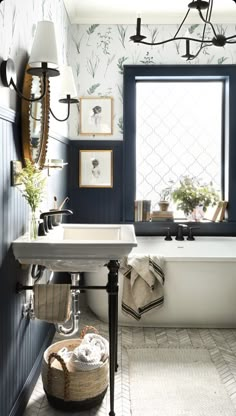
{"x": 176, "y": 382}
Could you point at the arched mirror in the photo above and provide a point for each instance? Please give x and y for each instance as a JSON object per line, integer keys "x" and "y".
{"x": 35, "y": 121}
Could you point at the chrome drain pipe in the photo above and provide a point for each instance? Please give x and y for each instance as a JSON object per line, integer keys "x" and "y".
{"x": 74, "y": 315}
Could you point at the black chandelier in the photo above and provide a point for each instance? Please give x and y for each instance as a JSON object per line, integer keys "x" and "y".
{"x": 204, "y": 9}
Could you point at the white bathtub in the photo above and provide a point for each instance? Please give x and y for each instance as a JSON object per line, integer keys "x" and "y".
{"x": 200, "y": 285}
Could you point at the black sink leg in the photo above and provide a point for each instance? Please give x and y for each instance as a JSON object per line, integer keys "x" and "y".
{"x": 112, "y": 290}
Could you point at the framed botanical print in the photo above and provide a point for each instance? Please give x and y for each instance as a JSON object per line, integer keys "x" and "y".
{"x": 96, "y": 169}
{"x": 96, "y": 115}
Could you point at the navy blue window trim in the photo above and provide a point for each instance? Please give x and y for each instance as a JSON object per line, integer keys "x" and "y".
{"x": 226, "y": 73}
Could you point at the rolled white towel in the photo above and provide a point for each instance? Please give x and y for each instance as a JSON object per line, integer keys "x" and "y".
{"x": 84, "y": 358}
{"x": 99, "y": 342}
{"x": 90, "y": 354}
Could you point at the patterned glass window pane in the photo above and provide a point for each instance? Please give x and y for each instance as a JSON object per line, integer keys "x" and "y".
{"x": 178, "y": 133}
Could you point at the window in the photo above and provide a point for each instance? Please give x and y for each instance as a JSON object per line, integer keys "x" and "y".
{"x": 178, "y": 133}
{"x": 216, "y": 164}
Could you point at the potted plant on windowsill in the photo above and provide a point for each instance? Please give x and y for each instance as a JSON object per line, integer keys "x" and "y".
{"x": 193, "y": 198}
{"x": 165, "y": 196}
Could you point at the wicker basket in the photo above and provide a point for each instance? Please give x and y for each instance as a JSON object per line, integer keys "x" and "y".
{"x": 71, "y": 391}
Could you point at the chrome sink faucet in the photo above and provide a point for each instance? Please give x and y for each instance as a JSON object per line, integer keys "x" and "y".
{"x": 180, "y": 232}
{"x": 44, "y": 225}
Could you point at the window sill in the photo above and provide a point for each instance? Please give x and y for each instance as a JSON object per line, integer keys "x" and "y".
{"x": 203, "y": 228}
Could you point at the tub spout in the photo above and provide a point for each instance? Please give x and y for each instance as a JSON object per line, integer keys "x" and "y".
{"x": 74, "y": 315}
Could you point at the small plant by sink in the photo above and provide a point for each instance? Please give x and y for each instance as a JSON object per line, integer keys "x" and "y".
{"x": 32, "y": 188}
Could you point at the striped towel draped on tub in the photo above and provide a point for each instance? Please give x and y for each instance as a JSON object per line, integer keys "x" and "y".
{"x": 142, "y": 284}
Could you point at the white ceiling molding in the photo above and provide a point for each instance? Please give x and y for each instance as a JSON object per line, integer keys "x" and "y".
{"x": 153, "y": 12}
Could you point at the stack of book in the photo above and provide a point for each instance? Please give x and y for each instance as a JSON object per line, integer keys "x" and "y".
{"x": 219, "y": 214}
{"x": 142, "y": 210}
{"x": 162, "y": 216}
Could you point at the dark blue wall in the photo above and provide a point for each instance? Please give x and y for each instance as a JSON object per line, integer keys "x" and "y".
{"x": 96, "y": 205}
{"x": 22, "y": 342}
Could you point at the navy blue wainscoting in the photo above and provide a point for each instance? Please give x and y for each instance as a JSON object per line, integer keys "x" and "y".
{"x": 22, "y": 341}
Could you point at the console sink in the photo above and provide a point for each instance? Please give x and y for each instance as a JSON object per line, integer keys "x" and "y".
{"x": 77, "y": 247}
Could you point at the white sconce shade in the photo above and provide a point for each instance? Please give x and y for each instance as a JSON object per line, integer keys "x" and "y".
{"x": 43, "y": 63}
{"x": 44, "y": 47}
{"x": 67, "y": 82}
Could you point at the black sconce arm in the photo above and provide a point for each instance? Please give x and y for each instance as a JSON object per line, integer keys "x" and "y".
{"x": 68, "y": 100}
{"x": 8, "y": 78}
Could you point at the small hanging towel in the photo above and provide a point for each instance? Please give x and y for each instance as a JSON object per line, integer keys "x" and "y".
{"x": 52, "y": 302}
{"x": 143, "y": 284}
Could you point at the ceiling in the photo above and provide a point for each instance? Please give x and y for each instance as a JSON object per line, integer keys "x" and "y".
{"x": 151, "y": 11}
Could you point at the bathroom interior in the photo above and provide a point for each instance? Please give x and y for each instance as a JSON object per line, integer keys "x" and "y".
{"x": 91, "y": 155}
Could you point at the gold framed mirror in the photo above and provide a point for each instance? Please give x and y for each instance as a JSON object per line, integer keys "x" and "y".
{"x": 35, "y": 121}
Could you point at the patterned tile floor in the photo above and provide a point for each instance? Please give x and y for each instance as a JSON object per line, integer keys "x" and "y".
{"x": 221, "y": 344}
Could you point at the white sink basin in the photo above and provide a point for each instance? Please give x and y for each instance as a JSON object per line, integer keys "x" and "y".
{"x": 77, "y": 247}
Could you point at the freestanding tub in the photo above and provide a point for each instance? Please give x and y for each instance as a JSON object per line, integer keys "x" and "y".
{"x": 200, "y": 285}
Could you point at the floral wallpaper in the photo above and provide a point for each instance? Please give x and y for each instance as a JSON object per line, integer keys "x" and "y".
{"x": 97, "y": 54}
{"x": 103, "y": 50}
{"x": 18, "y": 23}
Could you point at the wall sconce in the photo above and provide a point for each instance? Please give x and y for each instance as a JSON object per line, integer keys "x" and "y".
{"x": 67, "y": 91}
{"x": 43, "y": 60}
{"x": 43, "y": 63}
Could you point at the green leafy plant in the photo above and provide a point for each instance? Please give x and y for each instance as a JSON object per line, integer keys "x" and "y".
{"x": 33, "y": 184}
{"x": 191, "y": 193}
